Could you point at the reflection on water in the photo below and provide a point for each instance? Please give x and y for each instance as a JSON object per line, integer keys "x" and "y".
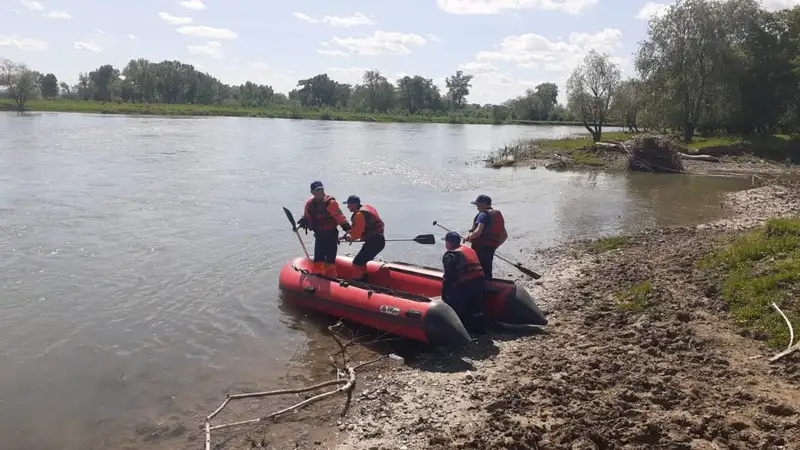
{"x": 142, "y": 253}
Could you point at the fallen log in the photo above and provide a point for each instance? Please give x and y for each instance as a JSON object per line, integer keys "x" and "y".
{"x": 707, "y": 158}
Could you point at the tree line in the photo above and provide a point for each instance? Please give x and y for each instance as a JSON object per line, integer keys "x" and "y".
{"x": 713, "y": 67}
{"x": 173, "y": 82}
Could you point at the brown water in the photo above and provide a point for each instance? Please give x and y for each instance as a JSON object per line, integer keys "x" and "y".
{"x": 141, "y": 254}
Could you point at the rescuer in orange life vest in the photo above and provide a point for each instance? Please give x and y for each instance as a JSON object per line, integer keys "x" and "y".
{"x": 464, "y": 283}
{"x": 367, "y": 226}
{"x": 322, "y": 215}
{"x": 488, "y": 232}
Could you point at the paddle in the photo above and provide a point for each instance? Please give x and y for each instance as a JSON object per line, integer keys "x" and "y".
{"x": 421, "y": 239}
{"x": 518, "y": 266}
{"x": 294, "y": 228}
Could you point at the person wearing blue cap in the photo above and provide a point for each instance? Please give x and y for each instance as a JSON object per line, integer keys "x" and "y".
{"x": 488, "y": 232}
{"x": 464, "y": 283}
{"x": 322, "y": 215}
{"x": 368, "y": 226}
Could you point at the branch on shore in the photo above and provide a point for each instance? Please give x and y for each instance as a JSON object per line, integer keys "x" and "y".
{"x": 791, "y": 348}
{"x": 345, "y": 379}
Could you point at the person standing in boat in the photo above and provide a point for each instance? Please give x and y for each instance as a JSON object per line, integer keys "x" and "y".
{"x": 464, "y": 283}
{"x": 322, "y": 215}
{"x": 367, "y": 227}
{"x": 488, "y": 232}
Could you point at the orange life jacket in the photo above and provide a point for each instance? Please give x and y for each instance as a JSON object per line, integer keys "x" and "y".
{"x": 319, "y": 218}
{"x": 492, "y": 235}
{"x": 373, "y": 222}
{"x": 469, "y": 266}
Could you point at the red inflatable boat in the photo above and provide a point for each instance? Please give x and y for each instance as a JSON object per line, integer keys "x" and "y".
{"x": 397, "y": 299}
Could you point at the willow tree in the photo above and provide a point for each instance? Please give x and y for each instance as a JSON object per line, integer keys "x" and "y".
{"x": 590, "y": 90}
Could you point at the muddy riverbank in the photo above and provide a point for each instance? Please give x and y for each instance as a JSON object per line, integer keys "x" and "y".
{"x": 675, "y": 374}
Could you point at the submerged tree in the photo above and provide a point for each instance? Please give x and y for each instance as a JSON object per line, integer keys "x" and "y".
{"x": 20, "y": 82}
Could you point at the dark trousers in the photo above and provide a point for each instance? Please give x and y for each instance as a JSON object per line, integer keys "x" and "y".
{"x": 486, "y": 257}
{"x": 467, "y": 302}
{"x": 326, "y": 244}
{"x": 370, "y": 249}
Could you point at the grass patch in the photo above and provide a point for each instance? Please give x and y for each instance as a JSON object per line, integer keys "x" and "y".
{"x": 607, "y": 244}
{"x": 757, "y": 269}
{"x": 635, "y": 298}
{"x": 584, "y": 158}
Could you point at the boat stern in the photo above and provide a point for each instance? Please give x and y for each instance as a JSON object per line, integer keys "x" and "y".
{"x": 521, "y": 309}
{"x": 443, "y": 327}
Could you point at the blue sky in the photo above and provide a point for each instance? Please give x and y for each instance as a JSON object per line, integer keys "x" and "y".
{"x": 509, "y": 45}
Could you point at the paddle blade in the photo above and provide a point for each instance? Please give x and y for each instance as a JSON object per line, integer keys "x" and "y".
{"x": 527, "y": 271}
{"x": 428, "y": 239}
{"x": 291, "y": 218}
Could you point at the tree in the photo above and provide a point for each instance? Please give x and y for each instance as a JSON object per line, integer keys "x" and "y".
{"x": 48, "y": 84}
{"x": 590, "y": 89}
{"x": 628, "y": 103}
{"x": 458, "y": 88}
{"x": 687, "y": 51}
{"x": 19, "y": 81}
{"x": 66, "y": 88}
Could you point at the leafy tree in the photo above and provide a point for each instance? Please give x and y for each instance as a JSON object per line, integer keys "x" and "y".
{"x": 19, "y": 81}
{"x": 458, "y": 88}
{"x": 590, "y": 89}
{"x": 48, "y": 85}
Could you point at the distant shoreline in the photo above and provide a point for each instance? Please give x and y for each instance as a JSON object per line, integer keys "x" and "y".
{"x": 163, "y": 109}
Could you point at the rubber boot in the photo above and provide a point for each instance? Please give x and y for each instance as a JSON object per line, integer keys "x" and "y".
{"x": 359, "y": 273}
{"x": 330, "y": 270}
{"x": 318, "y": 267}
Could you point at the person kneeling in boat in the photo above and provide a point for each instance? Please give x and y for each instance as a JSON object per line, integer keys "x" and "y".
{"x": 464, "y": 283}
{"x": 488, "y": 232}
{"x": 322, "y": 215}
{"x": 368, "y": 227}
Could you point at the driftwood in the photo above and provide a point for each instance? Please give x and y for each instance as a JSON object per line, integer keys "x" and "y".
{"x": 707, "y": 158}
{"x": 791, "y": 348}
{"x": 346, "y": 380}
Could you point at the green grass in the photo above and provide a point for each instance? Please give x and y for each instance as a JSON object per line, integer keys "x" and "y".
{"x": 65, "y": 105}
{"x": 606, "y": 244}
{"x": 758, "y": 269}
{"x": 635, "y": 298}
{"x": 583, "y": 158}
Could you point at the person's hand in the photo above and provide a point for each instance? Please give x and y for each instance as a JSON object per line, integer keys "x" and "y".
{"x": 346, "y": 237}
{"x": 303, "y": 223}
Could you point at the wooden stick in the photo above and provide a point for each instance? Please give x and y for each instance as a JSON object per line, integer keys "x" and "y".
{"x": 788, "y": 324}
{"x": 790, "y": 349}
{"x": 349, "y": 384}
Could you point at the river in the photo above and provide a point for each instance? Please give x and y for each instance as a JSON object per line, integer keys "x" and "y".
{"x": 141, "y": 254}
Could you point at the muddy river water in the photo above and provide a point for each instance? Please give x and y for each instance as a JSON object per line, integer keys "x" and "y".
{"x": 141, "y": 254}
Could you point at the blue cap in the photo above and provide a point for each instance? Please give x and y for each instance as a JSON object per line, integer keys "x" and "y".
{"x": 316, "y": 185}
{"x": 483, "y": 199}
{"x": 452, "y": 237}
{"x": 353, "y": 199}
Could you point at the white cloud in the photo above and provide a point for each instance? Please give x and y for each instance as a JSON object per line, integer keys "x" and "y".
{"x": 172, "y": 20}
{"x": 99, "y": 32}
{"x": 490, "y": 84}
{"x": 22, "y": 43}
{"x": 58, "y": 15}
{"x": 500, "y": 6}
{"x": 350, "y": 75}
{"x": 212, "y": 49}
{"x": 132, "y": 36}
{"x": 207, "y": 32}
{"x": 433, "y": 38}
{"x": 194, "y": 4}
{"x": 336, "y": 21}
{"x": 533, "y": 50}
{"x": 652, "y": 9}
{"x": 380, "y": 43}
{"x": 775, "y": 5}
{"x": 261, "y": 73}
{"x": 32, "y": 5}
{"x": 331, "y": 52}
{"x": 89, "y": 46}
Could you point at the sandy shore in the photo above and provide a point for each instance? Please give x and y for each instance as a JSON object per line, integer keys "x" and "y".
{"x": 676, "y": 376}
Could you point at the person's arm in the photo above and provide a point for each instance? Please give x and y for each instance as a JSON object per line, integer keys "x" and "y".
{"x": 480, "y": 222}
{"x": 359, "y": 226}
{"x": 336, "y": 212}
{"x": 449, "y": 265}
